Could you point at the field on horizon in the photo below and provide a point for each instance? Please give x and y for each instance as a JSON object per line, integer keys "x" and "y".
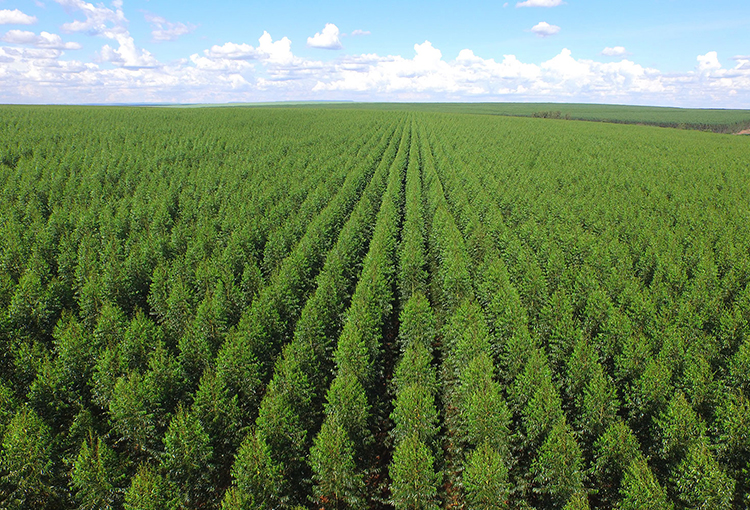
{"x": 373, "y": 306}
{"x": 702, "y": 119}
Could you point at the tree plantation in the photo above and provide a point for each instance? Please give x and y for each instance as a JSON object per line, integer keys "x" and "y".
{"x": 342, "y": 308}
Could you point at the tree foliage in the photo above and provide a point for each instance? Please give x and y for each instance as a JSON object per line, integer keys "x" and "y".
{"x": 355, "y": 307}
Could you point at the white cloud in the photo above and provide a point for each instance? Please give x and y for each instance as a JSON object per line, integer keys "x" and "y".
{"x": 98, "y": 19}
{"x": 43, "y": 40}
{"x": 617, "y": 51}
{"x": 127, "y": 55}
{"x": 220, "y": 64}
{"x": 276, "y": 52}
{"x": 111, "y": 24}
{"x": 426, "y": 71}
{"x": 269, "y": 70}
{"x": 708, "y": 62}
{"x": 328, "y": 39}
{"x": 743, "y": 62}
{"x": 428, "y": 76}
{"x": 15, "y": 17}
{"x": 163, "y": 30}
{"x": 360, "y": 32}
{"x": 426, "y": 54}
{"x": 268, "y": 50}
{"x": 233, "y": 51}
{"x": 544, "y": 29}
{"x": 32, "y": 54}
{"x": 567, "y": 73}
{"x": 540, "y": 3}
{"x": 276, "y": 57}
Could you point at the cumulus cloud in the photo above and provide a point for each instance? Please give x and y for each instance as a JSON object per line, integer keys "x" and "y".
{"x": 33, "y": 68}
{"x": 429, "y": 76}
{"x": 617, "y": 51}
{"x": 163, "y": 30}
{"x": 276, "y": 52}
{"x": 276, "y": 57}
{"x": 111, "y": 24}
{"x": 37, "y": 71}
{"x": 233, "y": 51}
{"x": 708, "y": 62}
{"x": 360, "y": 32}
{"x": 389, "y": 74}
{"x": 565, "y": 68}
{"x": 328, "y": 39}
{"x": 267, "y": 49}
{"x": 544, "y": 29}
{"x": 540, "y": 3}
{"x": 426, "y": 53}
{"x": 206, "y": 63}
{"x": 428, "y": 73}
{"x": 43, "y": 40}
{"x": 15, "y": 17}
{"x": 100, "y": 20}
{"x": 127, "y": 55}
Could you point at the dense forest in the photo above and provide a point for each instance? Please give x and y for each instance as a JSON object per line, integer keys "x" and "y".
{"x": 703, "y": 119}
{"x": 268, "y": 308}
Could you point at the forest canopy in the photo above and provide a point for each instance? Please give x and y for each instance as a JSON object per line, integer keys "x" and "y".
{"x": 357, "y": 308}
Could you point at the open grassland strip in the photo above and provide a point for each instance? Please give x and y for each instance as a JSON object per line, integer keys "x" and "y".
{"x": 344, "y": 457}
{"x": 414, "y": 465}
{"x": 246, "y": 358}
{"x": 291, "y": 411}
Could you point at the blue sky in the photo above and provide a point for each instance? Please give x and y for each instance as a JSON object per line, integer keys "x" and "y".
{"x": 659, "y": 52}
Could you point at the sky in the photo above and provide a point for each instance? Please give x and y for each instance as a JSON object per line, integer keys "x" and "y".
{"x": 646, "y": 52}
